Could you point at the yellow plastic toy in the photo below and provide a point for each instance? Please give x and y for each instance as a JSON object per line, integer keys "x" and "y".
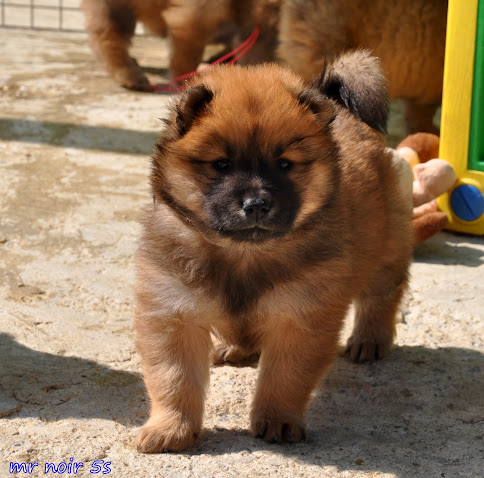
{"x": 462, "y": 124}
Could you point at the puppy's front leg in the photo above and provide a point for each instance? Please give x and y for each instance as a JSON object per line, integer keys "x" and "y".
{"x": 175, "y": 355}
{"x": 293, "y": 360}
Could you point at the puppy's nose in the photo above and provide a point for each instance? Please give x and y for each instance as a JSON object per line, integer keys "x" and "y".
{"x": 255, "y": 208}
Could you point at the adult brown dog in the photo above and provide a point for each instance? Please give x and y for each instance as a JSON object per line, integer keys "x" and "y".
{"x": 275, "y": 206}
{"x": 407, "y": 35}
{"x": 189, "y": 24}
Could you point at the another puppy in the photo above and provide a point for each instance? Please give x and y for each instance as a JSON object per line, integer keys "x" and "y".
{"x": 407, "y": 35}
{"x": 275, "y": 206}
{"x": 189, "y": 24}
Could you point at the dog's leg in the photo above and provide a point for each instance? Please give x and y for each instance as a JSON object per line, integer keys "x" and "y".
{"x": 189, "y": 30}
{"x": 375, "y": 313}
{"x": 175, "y": 355}
{"x": 124, "y": 69}
{"x": 293, "y": 360}
{"x": 186, "y": 54}
{"x": 111, "y": 26}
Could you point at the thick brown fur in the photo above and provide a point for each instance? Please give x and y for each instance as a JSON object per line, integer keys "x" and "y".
{"x": 189, "y": 24}
{"x": 277, "y": 277}
{"x": 407, "y": 35}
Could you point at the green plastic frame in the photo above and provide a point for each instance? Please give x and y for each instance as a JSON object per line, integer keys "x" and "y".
{"x": 476, "y": 137}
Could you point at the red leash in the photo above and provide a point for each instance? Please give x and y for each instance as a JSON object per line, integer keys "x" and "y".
{"x": 234, "y": 55}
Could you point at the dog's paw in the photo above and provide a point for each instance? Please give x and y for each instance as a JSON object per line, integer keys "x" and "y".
{"x": 233, "y": 354}
{"x": 155, "y": 437}
{"x": 364, "y": 350}
{"x": 278, "y": 430}
{"x": 130, "y": 76}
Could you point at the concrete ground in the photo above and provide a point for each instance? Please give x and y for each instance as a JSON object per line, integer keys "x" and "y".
{"x": 74, "y": 157}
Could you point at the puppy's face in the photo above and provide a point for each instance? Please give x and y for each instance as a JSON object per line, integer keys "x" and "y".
{"x": 244, "y": 160}
{"x": 252, "y": 195}
{"x": 265, "y": 180}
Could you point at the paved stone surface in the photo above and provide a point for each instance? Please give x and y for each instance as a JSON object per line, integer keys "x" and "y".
{"x": 74, "y": 157}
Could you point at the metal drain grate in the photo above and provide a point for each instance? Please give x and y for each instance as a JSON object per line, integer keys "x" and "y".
{"x": 56, "y": 15}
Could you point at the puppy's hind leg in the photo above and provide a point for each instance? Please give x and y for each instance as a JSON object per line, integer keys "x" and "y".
{"x": 175, "y": 355}
{"x": 225, "y": 353}
{"x": 375, "y": 316}
{"x": 240, "y": 349}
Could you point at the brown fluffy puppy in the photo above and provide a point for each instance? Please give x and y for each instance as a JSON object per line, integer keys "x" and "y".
{"x": 407, "y": 35}
{"x": 189, "y": 24}
{"x": 275, "y": 207}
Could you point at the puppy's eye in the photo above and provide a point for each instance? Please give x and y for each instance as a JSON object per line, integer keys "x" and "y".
{"x": 284, "y": 164}
{"x": 223, "y": 165}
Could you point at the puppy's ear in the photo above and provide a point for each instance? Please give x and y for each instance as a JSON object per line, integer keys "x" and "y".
{"x": 318, "y": 105}
{"x": 356, "y": 81}
{"x": 191, "y": 104}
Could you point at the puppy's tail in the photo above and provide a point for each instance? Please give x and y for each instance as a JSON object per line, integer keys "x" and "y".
{"x": 355, "y": 80}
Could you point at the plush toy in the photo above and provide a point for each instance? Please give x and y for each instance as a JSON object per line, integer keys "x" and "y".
{"x": 431, "y": 178}
{"x": 421, "y": 147}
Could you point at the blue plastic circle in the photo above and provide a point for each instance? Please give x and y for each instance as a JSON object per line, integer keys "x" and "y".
{"x": 467, "y": 202}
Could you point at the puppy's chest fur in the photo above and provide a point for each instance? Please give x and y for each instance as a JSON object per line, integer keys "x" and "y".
{"x": 232, "y": 285}
{"x": 239, "y": 290}
{"x": 241, "y": 285}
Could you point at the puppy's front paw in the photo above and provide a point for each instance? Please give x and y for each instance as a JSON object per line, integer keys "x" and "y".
{"x": 156, "y": 437}
{"x": 274, "y": 430}
{"x": 367, "y": 350}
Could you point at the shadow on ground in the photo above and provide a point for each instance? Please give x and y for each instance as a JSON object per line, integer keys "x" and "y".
{"x": 448, "y": 248}
{"x": 71, "y": 135}
{"x": 381, "y": 416}
{"x": 417, "y": 410}
{"x": 53, "y": 387}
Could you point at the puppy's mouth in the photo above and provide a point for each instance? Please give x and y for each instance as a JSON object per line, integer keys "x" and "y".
{"x": 251, "y": 234}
